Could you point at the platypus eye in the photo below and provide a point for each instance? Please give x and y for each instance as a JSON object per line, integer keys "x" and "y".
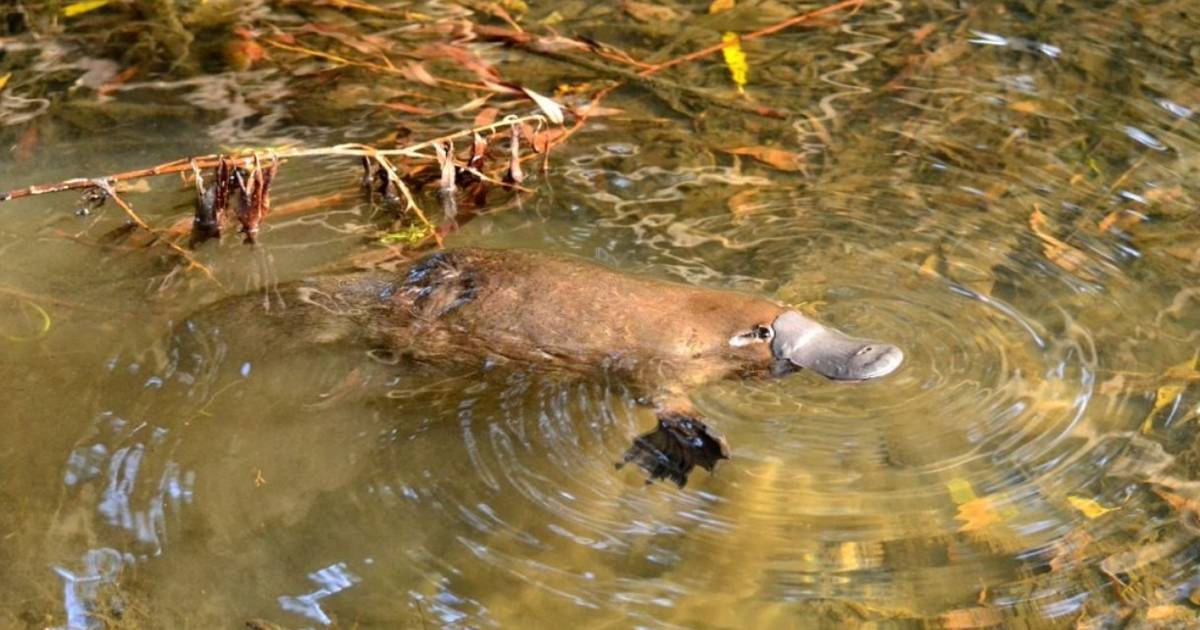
{"x": 758, "y": 334}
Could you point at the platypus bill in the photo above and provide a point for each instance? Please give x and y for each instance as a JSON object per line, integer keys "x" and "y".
{"x": 566, "y": 314}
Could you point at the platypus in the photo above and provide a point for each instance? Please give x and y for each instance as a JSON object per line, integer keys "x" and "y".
{"x": 566, "y": 314}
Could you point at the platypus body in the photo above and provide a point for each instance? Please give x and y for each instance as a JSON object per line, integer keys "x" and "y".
{"x": 565, "y": 314}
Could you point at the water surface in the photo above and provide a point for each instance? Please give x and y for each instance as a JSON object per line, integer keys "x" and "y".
{"x": 1006, "y": 191}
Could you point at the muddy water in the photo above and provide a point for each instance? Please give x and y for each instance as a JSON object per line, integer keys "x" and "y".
{"x": 1007, "y": 192}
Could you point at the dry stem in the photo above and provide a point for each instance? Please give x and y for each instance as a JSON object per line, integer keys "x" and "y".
{"x": 209, "y": 161}
{"x": 133, "y": 216}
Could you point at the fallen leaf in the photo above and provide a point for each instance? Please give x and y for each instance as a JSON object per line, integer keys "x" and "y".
{"x": 1070, "y": 550}
{"x": 416, "y": 72}
{"x": 947, "y": 53}
{"x": 544, "y": 139}
{"x": 79, "y": 8}
{"x": 735, "y": 58}
{"x": 920, "y": 34}
{"x": 366, "y": 44}
{"x": 1178, "y": 502}
{"x": 647, "y": 12}
{"x": 407, "y": 236}
{"x": 976, "y": 514}
{"x": 1185, "y": 370}
{"x": 472, "y": 104}
{"x": 960, "y": 490}
{"x": 242, "y": 54}
{"x": 1025, "y": 107}
{"x": 1109, "y": 220}
{"x": 979, "y": 617}
{"x": 592, "y": 110}
{"x": 1163, "y": 396}
{"x": 117, "y": 81}
{"x": 408, "y": 109}
{"x": 28, "y": 143}
{"x": 548, "y": 106}
{"x": 4, "y": 79}
{"x": 1089, "y": 507}
{"x": 1145, "y": 554}
{"x": 929, "y": 268}
{"x": 744, "y": 203}
{"x": 1168, "y": 611}
{"x": 776, "y": 158}
{"x": 1068, "y": 258}
{"x": 718, "y": 6}
{"x": 469, "y": 60}
{"x": 486, "y": 116}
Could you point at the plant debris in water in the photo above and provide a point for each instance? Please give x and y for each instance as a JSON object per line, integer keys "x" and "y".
{"x": 984, "y": 119}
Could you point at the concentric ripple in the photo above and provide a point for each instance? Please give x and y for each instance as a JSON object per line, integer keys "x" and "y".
{"x": 1007, "y": 194}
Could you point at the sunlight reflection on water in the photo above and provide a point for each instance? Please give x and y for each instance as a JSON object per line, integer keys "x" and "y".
{"x": 1002, "y": 197}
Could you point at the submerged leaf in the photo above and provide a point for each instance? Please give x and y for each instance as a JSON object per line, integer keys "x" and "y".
{"x": 776, "y": 158}
{"x": 960, "y": 490}
{"x": 976, "y": 514}
{"x": 963, "y": 618}
{"x": 735, "y": 58}
{"x": 1166, "y": 395}
{"x": 649, "y": 12}
{"x": 79, "y": 8}
{"x": 1089, "y": 507}
{"x": 407, "y": 236}
{"x": 718, "y": 6}
{"x": 4, "y": 79}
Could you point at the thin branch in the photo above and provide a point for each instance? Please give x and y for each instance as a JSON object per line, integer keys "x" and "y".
{"x": 209, "y": 161}
{"x": 763, "y": 32}
{"x": 133, "y": 216}
{"x": 388, "y": 69}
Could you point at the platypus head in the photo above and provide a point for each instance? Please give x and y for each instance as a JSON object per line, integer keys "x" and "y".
{"x": 799, "y": 342}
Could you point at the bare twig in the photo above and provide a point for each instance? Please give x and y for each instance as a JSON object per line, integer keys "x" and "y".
{"x": 183, "y": 253}
{"x": 209, "y": 161}
{"x": 763, "y": 32}
{"x": 388, "y": 69}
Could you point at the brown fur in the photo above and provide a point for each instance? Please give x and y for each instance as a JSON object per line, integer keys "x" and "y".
{"x": 555, "y": 313}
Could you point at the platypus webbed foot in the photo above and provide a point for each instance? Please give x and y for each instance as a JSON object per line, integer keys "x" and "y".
{"x": 677, "y": 445}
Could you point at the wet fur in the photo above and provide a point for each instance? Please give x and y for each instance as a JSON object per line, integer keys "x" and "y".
{"x": 551, "y": 313}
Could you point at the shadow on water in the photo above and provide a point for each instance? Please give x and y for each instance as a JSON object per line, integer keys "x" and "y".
{"x": 1005, "y": 191}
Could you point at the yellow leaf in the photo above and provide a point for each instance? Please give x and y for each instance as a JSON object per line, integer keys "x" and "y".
{"x": 1163, "y": 396}
{"x": 1186, "y": 370}
{"x": 1089, "y": 507}
{"x": 1024, "y": 107}
{"x": 1169, "y": 612}
{"x": 960, "y": 490}
{"x": 4, "y": 79}
{"x": 929, "y": 267}
{"x": 79, "y": 8}
{"x": 405, "y": 236}
{"x": 735, "y": 58}
{"x": 976, "y": 514}
{"x": 718, "y": 6}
